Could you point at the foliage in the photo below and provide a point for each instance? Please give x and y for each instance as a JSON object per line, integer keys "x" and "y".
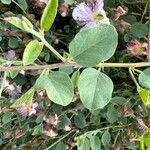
{"x": 74, "y": 83}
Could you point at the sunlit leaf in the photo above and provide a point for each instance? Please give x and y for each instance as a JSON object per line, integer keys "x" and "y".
{"x": 25, "y": 99}
{"x": 31, "y": 52}
{"x": 49, "y": 15}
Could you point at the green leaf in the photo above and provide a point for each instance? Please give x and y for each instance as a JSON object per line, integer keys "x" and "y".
{"x": 63, "y": 121}
{"x": 25, "y": 99}
{"x": 70, "y": 2}
{"x": 80, "y": 121}
{"x": 75, "y": 78}
{"x": 60, "y": 146}
{"x": 112, "y": 114}
{"x": 106, "y": 138}
{"x": 67, "y": 69}
{"x": 117, "y": 100}
{"x": 22, "y": 23}
{"x": 6, "y": 1}
{"x": 139, "y": 30}
{"x": 15, "y": 21}
{"x": 39, "y": 119}
{"x": 83, "y": 143}
{"x": 95, "y": 119}
{"x": 37, "y": 130}
{"x": 95, "y": 143}
{"x": 95, "y": 89}
{"x": 94, "y": 45}
{"x": 23, "y": 4}
{"x": 145, "y": 96}
{"x": 58, "y": 86}
{"x": 49, "y": 15}
{"x": 31, "y": 52}
{"x": 13, "y": 43}
{"x": 146, "y": 139}
{"x": 144, "y": 78}
{"x": 6, "y": 118}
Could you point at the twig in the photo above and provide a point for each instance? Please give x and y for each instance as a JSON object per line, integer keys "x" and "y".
{"x": 41, "y": 37}
{"x": 36, "y": 67}
{"x": 133, "y": 78}
{"x": 60, "y": 65}
{"x": 59, "y": 140}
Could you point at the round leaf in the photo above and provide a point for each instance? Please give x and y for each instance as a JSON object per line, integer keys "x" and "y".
{"x": 95, "y": 89}
{"x": 58, "y": 86}
{"x": 13, "y": 43}
{"x": 31, "y": 52}
{"x": 144, "y": 78}
{"x": 139, "y": 30}
{"x": 95, "y": 45}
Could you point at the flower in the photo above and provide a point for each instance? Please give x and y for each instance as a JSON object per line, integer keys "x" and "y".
{"x": 135, "y": 48}
{"x": 48, "y": 130}
{"x": 32, "y": 109}
{"x": 141, "y": 125}
{"x": 10, "y": 55}
{"x": 12, "y": 90}
{"x": 90, "y": 13}
{"x": 63, "y": 9}
{"x": 25, "y": 110}
{"x": 118, "y": 12}
{"x": 52, "y": 119}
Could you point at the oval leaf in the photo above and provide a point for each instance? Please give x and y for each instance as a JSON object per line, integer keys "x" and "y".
{"x": 58, "y": 86}
{"x": 31, "y": 52}
{"x": 49, "y": 15}
{"x": 106, "y": 137}
{"x": 95, "y": 45}
{"x": 139, "y": 30}
{"x": 144, "y": 78}
{"x": 83, "y": 143}
{"x": 23, "y": 23}
{"x": 95, "y": 89}
{"x": 15, "y": 21}
{"x": 95, "y": 143}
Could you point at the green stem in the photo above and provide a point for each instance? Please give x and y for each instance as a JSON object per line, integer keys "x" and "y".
{"x": 137, "y": 70}
{"x": 105, "y": 128}
{"x": 59, "y": 140}
{"x": 3, "y": 83}
{"x": 41, "y": 37}
{"x": 133, "y": 78}
{"x": 67, "y": 64}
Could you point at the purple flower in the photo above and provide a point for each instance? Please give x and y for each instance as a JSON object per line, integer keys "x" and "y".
{"x": 25, "y": 110}
{"x": 136, "y": 48}
{"x": 90, "y": 13}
